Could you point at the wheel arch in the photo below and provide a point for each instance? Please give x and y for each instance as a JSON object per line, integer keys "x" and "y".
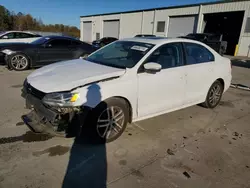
{"x": 22, "y": 53}
{"x": 222, "y": 82}
{"x": 130, "y": 108}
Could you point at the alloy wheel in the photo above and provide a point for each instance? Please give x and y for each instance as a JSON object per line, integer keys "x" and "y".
{"x": 19, "y": 62}
{"x": 110, "y": 122}
{"x": 215, "y": 94}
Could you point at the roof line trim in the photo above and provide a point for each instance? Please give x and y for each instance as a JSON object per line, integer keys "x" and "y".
{"x": 162, "y": 8}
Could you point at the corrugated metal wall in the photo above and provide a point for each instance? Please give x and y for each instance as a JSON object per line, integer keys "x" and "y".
{"x": 225, "y": 7}
{"x": 146, "y": 22}
{"x": 130, "y": 24}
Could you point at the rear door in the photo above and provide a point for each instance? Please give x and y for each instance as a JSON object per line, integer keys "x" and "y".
{"x": 54, "y": 50}
{"x": 199, "y": 72}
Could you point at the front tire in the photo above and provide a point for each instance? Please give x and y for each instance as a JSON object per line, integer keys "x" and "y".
{"x": 19, "y": 62}
{"x": 109, "y": 119}
{"x": 214, "y": 95}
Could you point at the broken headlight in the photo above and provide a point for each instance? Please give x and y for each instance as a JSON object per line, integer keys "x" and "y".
{"x": 64, "y": 99}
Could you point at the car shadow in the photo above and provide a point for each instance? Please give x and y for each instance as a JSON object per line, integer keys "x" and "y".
{"x": 87, "y": 166}
{"x": 241, "y": 63}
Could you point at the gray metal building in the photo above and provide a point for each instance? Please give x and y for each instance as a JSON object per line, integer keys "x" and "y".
{"x": 230, "y": 18}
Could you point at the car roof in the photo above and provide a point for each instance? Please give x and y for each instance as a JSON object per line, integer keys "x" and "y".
{"x": 19, "y": 32}
{"x": 6, "y": 32}
{"x": 158, "y": 40}
{"x": 59, "y": 37}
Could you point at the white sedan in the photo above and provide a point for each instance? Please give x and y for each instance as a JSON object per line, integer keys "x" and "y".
{"x": 126, "y": 81}
{"x": 18, "y": 36}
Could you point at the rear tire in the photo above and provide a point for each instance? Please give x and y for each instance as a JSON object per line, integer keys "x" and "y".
{"x": 109, "y": 120}
{"x": 214, "y": 95}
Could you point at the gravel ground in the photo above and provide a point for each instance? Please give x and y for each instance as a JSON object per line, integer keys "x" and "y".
{"x": 193, "y": 147}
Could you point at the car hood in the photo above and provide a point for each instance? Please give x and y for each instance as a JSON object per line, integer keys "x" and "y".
{"x": 67, "y": 75}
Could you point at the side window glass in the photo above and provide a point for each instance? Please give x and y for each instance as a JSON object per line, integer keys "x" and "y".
{"x": 169, "y": 55}
{"x": 23, "y": 35}
{"x": 8, "y": 36}
{"x": 59, "y": 43}
{"x": 197, "y": 54}
{"x": 75, "y": 43}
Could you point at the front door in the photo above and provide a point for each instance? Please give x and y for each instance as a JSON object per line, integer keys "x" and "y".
{"x": 54, "y": 50}
{"x": 164, "y": 90}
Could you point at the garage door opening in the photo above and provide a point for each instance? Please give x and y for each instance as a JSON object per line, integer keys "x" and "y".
{"x": 228, "y": 24}
{"x": 111, "y": 28}
{"x": 87, "y": 31}
{"x": 182, "y": 25}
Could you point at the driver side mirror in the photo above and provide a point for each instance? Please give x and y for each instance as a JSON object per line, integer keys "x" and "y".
{"x": 152, "y": 67}
{"x": 5, "y": 37}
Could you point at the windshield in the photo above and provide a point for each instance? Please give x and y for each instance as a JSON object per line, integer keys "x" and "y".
{"x": 40, "y": 40}
{"x": 2, "y": 32}
{"x": 121, "y": 54}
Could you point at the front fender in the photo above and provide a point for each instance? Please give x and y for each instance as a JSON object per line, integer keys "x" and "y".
{"x": 91, "y": 95}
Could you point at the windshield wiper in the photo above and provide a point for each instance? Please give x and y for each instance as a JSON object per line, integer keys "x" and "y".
{"x": 112, "y": 65}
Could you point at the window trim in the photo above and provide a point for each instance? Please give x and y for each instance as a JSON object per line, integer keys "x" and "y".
{"x": 157, "y": 27}
{"x": 140, "y": 68}
{"x": 247, "y": 26}
{"x": 185, "y": 52}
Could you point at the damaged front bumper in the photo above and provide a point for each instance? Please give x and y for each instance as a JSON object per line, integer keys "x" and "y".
{"x": 47, "y": 119}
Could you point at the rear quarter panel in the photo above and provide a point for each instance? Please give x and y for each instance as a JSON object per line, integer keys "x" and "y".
{"x": 223, "y": 70}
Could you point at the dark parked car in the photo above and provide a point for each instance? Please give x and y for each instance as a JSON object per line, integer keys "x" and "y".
{"x": 43, "y": 51}
{"x": 103, "y": 41}
{"x": 145, "y": 35}
{"x": 212, "y": 40}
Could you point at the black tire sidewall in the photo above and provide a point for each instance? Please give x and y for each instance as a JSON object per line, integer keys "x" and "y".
{"x": 10, "y": 65}
{"x": 100, "y": 108}
{"x": 208, "y": 104}
{"x": 84, "y": 55}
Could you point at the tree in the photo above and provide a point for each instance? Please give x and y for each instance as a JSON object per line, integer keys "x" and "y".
{"x": 4, "y": 18}
{"x": 11, "y": 21}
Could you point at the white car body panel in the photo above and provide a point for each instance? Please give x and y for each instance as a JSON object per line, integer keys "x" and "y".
{"x": 198, "y": 81}
{"x": 166, "y": 88}
{"x": 17, "y": 40}
{"x": 24, "y": 40}
{"x": 65, "y": 76}
{"x": 149, "y": 95}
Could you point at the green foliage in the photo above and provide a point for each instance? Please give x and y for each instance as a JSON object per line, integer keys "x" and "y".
{"x": 11, "y": 21}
